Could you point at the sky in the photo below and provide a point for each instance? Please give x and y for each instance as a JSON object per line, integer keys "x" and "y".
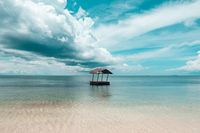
{"x": 71, "y": 37}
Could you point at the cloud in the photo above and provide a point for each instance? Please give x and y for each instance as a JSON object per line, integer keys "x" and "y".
{"x": 41, "y": 36}
{"x": 159, "y": 53}
{"x": 135, "y": 25}
{"x": 190, "y": 23}
{"x": 191, "y": 65}
{"x": 26, "y": 63}
{"x": 40, "y": 67}
{"x": 62, "y": 1}
{"x": 44, "y": 28}
{"x": 127, "y": 68}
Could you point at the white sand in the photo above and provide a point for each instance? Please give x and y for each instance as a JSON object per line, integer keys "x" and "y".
{"x": 84, "y": 118}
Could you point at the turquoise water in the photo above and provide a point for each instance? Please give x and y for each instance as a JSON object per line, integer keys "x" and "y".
{"x": 124, "y": 90}
{"x": 62, "y": 104}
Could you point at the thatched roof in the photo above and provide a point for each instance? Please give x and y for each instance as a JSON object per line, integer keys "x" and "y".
{"x": 100, "y": 70}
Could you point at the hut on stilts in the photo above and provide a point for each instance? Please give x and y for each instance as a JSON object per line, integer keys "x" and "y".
{"x": 100, "y": 80}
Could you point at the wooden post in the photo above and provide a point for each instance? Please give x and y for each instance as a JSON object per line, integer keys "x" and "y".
{"x": 107, "y": 77}
{"x": 92, "y": 77}
{"x": 102, "y": 77}
{"x": 98, "y": 77}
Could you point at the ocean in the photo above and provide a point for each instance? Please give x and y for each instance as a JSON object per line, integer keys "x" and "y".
{"x": 173, "y": 102}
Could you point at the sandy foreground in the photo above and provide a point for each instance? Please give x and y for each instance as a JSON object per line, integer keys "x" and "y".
{"x": 91, "y": 118}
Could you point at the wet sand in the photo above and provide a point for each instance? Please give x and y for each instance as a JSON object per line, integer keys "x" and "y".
{"x": 93, "y": 118}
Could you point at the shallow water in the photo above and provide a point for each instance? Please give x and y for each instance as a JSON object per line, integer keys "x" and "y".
{"x": 124, "y": 90}
{"x": 60, "y": 102}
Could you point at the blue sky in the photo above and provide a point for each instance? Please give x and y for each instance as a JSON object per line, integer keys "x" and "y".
{"x": 130, "y": 37}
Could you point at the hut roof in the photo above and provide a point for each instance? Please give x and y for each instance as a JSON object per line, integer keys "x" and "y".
{"x": 100, "y": 70}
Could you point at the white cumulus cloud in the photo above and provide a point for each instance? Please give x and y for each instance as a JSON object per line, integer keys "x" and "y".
{"x": 191, "y": 65}
{"x": 47, "y": 29}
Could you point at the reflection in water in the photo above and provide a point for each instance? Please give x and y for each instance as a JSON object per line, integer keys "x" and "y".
{"x": 101, "y": 92}
{"x": 60, "y": 104}
{"x": 126, "y": 90}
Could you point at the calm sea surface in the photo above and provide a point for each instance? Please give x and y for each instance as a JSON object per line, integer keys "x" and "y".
{"x": 163, "y": 91}
{"x": 60, "y": 104}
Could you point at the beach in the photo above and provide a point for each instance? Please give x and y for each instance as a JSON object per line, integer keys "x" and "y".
{"x": 91, "y": 118}
{"x": 46, "y": 108}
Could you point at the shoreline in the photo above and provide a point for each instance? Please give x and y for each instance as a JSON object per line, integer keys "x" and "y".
{"x": 90, "y": 118}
